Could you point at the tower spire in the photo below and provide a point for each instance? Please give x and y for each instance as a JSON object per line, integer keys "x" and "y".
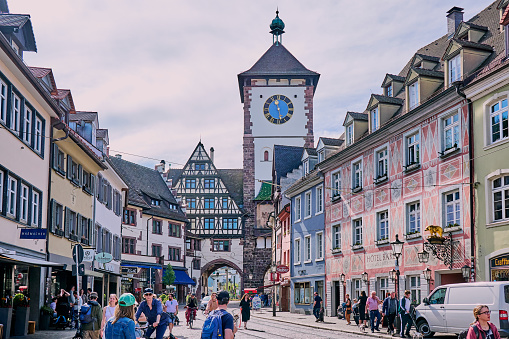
{"x": 276, "y": 29}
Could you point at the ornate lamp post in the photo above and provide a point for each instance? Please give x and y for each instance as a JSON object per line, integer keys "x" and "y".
{"x": 365, "y": 279}
{"x": 427, "y": 276}
{"x": 397, "y": 250}
{"x": 423, "y": 256}
{"x": 465, "y": 271}
{"x": 342, "y": 279}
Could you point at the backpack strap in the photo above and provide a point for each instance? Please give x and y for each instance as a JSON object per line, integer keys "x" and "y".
{"x": 476, "y": 331}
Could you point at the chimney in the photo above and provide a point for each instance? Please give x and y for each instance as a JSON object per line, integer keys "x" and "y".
{"x": 454, "y": 18}
{"x": 212, "y": 154}
{"x": 161, "y": 166}
{"x": 118, "y": 156}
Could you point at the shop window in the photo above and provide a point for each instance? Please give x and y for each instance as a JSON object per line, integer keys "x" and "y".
{"x": 303, "y": 293}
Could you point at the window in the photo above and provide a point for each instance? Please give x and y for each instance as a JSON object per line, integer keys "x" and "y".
{"x": 413, "y": 218}
{"x": 499, "y": 121}
{"x": 356, "y": 288}
{"x": 35, "y": 208}
{"x": 208, "y": 183}
{"x": 71, "y": 226}
{"x": 383, "y": 284}
{"x": 156, "y": 226}
{"x": 413, "y": 95}
{"x": 415, "y": 289}
{"x": 87, "y": 182}
{"x": 266, "y": 156}
{"x": 307, "y": 205}
{"x": 156, "y": 250}
{"x": 174, "y": 230}
{"x": 357, "y": 175}
{"x": 501, "y": 198}
{"x": 336, "y": 185}
{"x": 27, "y": 125}
{"x": 306, "y": 167}
{"x": 412, "y": 144}
{"x": 307, "y": 248}
{"x": 319, "y": 246}
{"x": 452, "y": 209}
{"x": 297, "y": 251}
{"x": 12, "y": 196}
{"x": 199, "y": 167}
{"x": 129, "y": 217}
{"x": 209, "y": 223}
{"x": 321, "y": 155}
{"x": 196, "y": 264}
{"x": 23, "y": 216}
{"x": 38, "y": 135}
{"x": 15, "y": 113}
{"x": 72, "y": 170}
{"x": 82, "y": 227}
{"x": 451, "y": 132}
{"x": 336, "y": 237}
{"x": 357, "y": 232}
{"x": 454, "y": 69}
{"x": 190, "y": 183}
{"x": 191, "y": 202}
{"x": 57, "y": 225}
{"x": 319, "y": 200}
{"x": 297, "y": 209}
{"x": 349, "y": 134}
{"x": 381, "y": 163}
{"x": 58, "y": 160}
{"x": 230, "y": 223}
{"x": 221, "y": 245}
{"x": 117, "y": 202}
{"x": 438, "y": 298}
{"x": 1, "y": 190}
{"x": 129, "y": 245}
{"x": 224, "y": 203}
{"x": 389, "y": 90}
{"x": 173, "y": 253}
{"x": 3, "y": 101}
{"x": 209, "y": 203}
{"x": 375, "y": 121}
{"x": 303, "y": 293}
{"x": 382, "y": 225}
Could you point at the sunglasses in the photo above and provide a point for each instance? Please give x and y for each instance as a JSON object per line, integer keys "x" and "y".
{"x": 148, "y": 294}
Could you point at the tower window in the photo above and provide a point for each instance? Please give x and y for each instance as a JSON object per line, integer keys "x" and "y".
{"x": 261, "y": 96}
{"x": 266, "y": 156}
{"x": 295, "y": 96}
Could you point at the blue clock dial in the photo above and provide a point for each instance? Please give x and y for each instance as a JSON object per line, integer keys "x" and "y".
{"x": 278, "y": 109}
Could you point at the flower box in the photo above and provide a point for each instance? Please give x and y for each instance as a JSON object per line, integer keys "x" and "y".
{"x": 413, "y": 236}
{"x": 336, "y": 251}
{"x": 21, "y": 316}
{"x": 357, "y": 247}
{"x": 382, "y": 242}
{"x": 6, "y": 320}
{"x": 412, "y": 167}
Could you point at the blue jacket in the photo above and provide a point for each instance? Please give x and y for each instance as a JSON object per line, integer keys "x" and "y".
{"x": 122, "y": 329}
{"x": 151, "y": 314}
{"x": 385, "y": 305}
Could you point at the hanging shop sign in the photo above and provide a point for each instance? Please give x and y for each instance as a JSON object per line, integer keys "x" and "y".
{"x": 88, "y": 255}
{"x": 103, "y": 257}
{"x": 33, "y": 233}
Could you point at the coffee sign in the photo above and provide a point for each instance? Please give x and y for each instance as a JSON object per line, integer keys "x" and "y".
{"x": 502, "y": 261}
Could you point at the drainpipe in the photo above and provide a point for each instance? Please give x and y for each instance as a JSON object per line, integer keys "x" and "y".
{"x": 472, "y": 185}
{"x": 147, "y": 230}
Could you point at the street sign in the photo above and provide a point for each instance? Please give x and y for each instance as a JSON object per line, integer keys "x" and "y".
{"x": 103, "y": 257}
{"x": 282, "y": 269}
{"x": 130, "y": 270}
{"x": 33, "y": 233}
{"x": 81, "y": 269}
{"x": 77, "y": 254}
{"x": 88, "y": 255}
{"x": 274, "y": 276}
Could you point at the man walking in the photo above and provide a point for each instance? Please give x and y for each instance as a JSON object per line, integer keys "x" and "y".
{"x": 389, "y": 310}
{"x": 92, "y": 329}
{"x": 372, "y": 305}
{"x": 227, "y": 322}
{"x": 405, "y": 315}
{"x": 317, "y": 304}
{"x": 172, "y": 308}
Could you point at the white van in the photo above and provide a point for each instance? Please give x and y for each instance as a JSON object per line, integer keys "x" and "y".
{"x": 449, "y": 308}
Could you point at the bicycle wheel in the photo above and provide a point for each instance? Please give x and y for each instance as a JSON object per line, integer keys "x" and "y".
{"x": 191, "y": 321}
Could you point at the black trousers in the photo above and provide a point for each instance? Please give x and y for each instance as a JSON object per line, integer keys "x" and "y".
{"x": 390, "y": 321}
{"x": 405, "y": 320}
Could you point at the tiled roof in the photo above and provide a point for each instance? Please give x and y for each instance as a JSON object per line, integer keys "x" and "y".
{"x": 477, "y": 27}
{"x": 396, "y": 77}
{"x": 475, "y": 45}
{"x": 85, "y": 116}
{"x": 102, "y": 133}
{"x": 265, "y": 192}
{"x": 436, "y": 48}
{"x": 61, "y": 94}
{"x": 428, "y": 57}
{"x": 233, "y": 180}
{"x": 286, "y": 159}
{"x": 358, "y": 116}
{"x": 428, "y": 72}
{"x": 39, "y": 72}
{"x": 13, "y": 20}
{"x": 146, "y": 181}
{"x": 387, "y": 100}
{"x": 332, "y": 141}
{"x": 312, "y": 152}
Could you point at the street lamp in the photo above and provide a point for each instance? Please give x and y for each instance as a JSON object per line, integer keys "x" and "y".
{"x": 465, "y": 271}
{"x": 393, "y": 275}
{"x": 365, "y": 277}
{"x": 423, "y": 256}
{"x": 342, "y": 279}
{"x": 427, "y": 276}
{"x": 397, "y": 250}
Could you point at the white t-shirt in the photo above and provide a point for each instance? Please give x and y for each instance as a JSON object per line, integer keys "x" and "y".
{"x": 171, "y": 306}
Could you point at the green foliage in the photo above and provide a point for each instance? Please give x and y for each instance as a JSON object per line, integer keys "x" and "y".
{"x": 169, "y": 276}
{"x": 47, "y": 310}
{"x": 20, "y": 300}
{"x": 163, "y": 298}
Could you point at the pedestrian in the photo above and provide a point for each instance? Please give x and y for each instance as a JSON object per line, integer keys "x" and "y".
{"x": 348, "y": 309}
{"x": 482, "y": 322}
{"x": 374, "y": 313}
{"x": 53, "y": 305}
{"x": 362, "y": 309}
{"x": 72, "y": 301}
{"x": 153, "y": 311}
{"x": 317, "y": 304}
{"x": 188, "y": 297}
{"x": 228, "y": 324}
{"x": 212, "y": 304}
{"x": 63, "y": 304}
{"x": 92, "y": 329}
{"x": 78, "y": 302}
{"x": 245, "y": 309}
{"x": 405, "y": 317}
{"x": 389, "y": 310}
{"x": 172, "y": 308}
{"x": 108, "y": 311}
{"x": 122, "y": 326}
{"x": 83, "y": 296}
{"x": 192, "y": 305}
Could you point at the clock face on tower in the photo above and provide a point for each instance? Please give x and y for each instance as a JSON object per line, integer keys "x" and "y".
{"x": 278, "y": 109}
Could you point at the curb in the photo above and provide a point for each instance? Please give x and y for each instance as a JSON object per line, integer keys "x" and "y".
{"x": 323, "y": 328}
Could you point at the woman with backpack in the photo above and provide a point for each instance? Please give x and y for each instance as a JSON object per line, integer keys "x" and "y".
{"x": 121, "y": 326}
{"x": 482, "y": 328}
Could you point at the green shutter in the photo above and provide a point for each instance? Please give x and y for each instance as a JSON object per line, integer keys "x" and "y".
{"x": 66, "y": 222}
{"x": 80, "y": 175}
{"x": 55, "y": 157}
{"x": 69, "y": 167}
{"x": 53, "y": 211}
{"x": 79, "y": 228}
{"x": 92, "y": 184}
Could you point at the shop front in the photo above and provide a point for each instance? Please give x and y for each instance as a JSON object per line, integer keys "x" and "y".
{"x": 136, "y": 276}
{"x": 499, "y": 267}
{"x": 181, "y": 283}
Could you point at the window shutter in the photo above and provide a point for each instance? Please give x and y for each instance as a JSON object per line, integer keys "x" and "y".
{"x": 55, "y": 157}
{"x": 109, "y": 197}
{"x": 79, "y": 228}
{"x": 99, "y": 242}
{"x": 69, "y": 167}
{"x": 91, "y": 233}
{"x": 80, "y": 175}
{"x": 66, "y": 223}
{"x": 92, "y": 183}
{"x": 53, "y": 211}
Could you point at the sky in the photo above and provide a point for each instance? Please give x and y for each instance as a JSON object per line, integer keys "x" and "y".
{"x": 162, "y": 74}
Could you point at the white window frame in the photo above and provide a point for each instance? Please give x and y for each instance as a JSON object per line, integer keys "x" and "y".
{"x": 416, "y": 213}
{"x": 307, "y": 205}
{"x": 416, "y": 144}
{"x": 382, "y": 219}
{"x": 38, "y": 135}
{"x": 357, "y": 174}
{"x": 3, "y": 101}
{"x": 319, "y": 246}
{"x": 357, "y": 232}
{"x": 414, "y": 283}
{"x": 336, "y": 184}
{"x": 35, "y": 208}
{"x": 307, "y": 249}
{"x": 15, "y": 113}
{"x": 455, "y": 204}
{"x": 349, "y": 134}
{"x": 453, "y": 128}
{"x": 389, "y": 91}
{"x": 503, "y": 189}
{"x": 454, "y": 69}
{"x": 375, "y": 119}
{"x": 384, "y": 159}
{"x": 296, "y": 251}
{"x": 306, "y": 167}
{"x": 382, "y": 290}
{"x": 336, "y": 237}
{"x": 12, "y": 196}
{"x": 319, "y": 200}
{"x": 27, "y": 125}
{"x": 297, "y": 209}
{"x": 500, "y": 113}
{"x": 413, "y": 95}
{"x": 24, "y": 195}
{"x": 356, "y": 288}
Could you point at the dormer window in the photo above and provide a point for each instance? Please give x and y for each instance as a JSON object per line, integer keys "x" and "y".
{"x": 306, "y": 167}
{"x": 413, "y": 95}
{"x": 388, "y": 91}
{"x": 15, "y": 47}
{"x": 321, "y": 156}
{"x": 375, "y": 120}
{"x": 455, "y": 69}
{"x": 155, "y": 202}
{"x": 349, "y": 134}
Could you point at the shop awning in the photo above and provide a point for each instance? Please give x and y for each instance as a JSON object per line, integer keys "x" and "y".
{"x": 181, "y": 278}
{"x": 19, "y": 259}
{"x": 141, "y": 265}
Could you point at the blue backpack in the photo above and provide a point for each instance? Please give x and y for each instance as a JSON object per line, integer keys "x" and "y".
{"x": 86, "y": 314}
{"x": 213, "y": 326}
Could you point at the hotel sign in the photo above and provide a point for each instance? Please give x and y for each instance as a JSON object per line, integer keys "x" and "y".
{"x": 379, "y": 260}
{"x": 500, "y": 262}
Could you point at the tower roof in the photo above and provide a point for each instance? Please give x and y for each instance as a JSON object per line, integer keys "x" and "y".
{"x": 277, "y": 25}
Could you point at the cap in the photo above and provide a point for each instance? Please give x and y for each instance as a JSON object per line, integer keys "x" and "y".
{"x": 148, "y": 290}
{"x": 94, "y": 295}
{"x": 193, "y": 294}
{"x": 223, "y": 296}
{"x": 126, "y": 299}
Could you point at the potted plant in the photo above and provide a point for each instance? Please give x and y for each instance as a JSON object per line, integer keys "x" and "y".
{"x": 21, "y": 306}
{"x": 46, "y": 313}
{"x": 6, "y": 315}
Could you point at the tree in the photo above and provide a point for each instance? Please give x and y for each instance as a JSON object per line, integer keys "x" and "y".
{"x": 169, "y": 276}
